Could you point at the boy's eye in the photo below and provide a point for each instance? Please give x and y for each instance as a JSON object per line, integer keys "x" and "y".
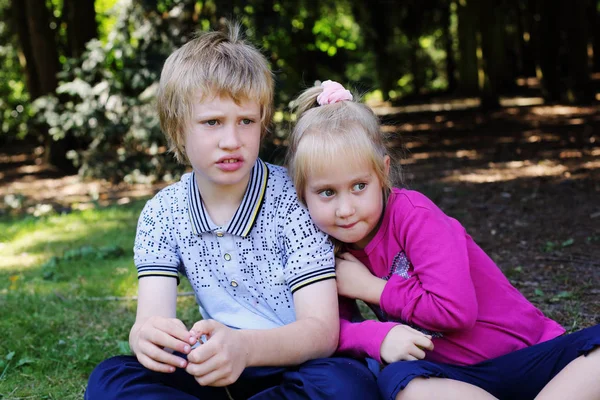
{"x": 358, "y": 187}
{"x": 247, "y": 121}
{"x": 211, "y": 122}
{"x": 326, "y": 193}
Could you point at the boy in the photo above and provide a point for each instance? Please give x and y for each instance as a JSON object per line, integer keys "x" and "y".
{"x": 262, "y": 272}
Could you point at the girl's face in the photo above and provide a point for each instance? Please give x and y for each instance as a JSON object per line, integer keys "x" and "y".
{"x": 345, "y": 200}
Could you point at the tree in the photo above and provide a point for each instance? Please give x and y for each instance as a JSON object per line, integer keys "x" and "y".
{"x": 37, "y": 40}
{"x": 468, "y": 83}
{"x": 80, "y": 19}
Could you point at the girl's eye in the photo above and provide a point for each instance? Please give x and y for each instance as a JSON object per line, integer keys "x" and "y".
{"x": 211, "y": 122}
{"x": 359, "y": 187}
{"x": 247, "y": 121}
{"x": 326, "y": 193}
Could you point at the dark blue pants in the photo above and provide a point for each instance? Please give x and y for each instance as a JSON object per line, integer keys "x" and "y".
{"x": 124, "y": 378}
{"x": 519, "y": 375}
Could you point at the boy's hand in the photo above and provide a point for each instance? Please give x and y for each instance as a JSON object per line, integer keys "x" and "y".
{"x": 221, "y": 359}
{"x": 403, "y": 343}
{"x": 148, "y": 340}
{"x": 355, "y": 281}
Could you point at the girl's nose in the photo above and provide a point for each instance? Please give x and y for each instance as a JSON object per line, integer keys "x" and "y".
{"x": 344, "y": 210}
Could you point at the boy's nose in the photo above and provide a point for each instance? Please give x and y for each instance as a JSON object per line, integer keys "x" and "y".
{"x": 230, "y": 138}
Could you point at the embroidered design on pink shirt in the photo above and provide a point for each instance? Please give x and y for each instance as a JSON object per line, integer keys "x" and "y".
{"x": 400, "y": 266}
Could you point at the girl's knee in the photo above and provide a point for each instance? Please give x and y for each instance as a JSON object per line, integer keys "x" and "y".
{"x": 414, "y": 390}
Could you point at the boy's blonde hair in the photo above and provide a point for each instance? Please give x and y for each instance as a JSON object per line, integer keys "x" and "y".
{"x": 323, "y": 134}
{"x": 212, "y": 64}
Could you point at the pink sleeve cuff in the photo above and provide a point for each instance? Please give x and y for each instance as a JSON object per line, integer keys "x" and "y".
{"x": 373, "y": 347}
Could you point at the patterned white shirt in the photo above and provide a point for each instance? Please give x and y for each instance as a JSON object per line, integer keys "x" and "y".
{"x": 245, "y": 272}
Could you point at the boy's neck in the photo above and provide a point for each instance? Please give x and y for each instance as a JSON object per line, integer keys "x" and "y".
{"x": 221, "y": 202}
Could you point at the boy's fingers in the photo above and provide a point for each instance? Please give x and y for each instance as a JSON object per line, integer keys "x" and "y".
{"x": 203, "y": 353}
{"x": 163, "y": 357}
{"x": 199, "y": 369}
{"x": 175, "y": 328}
{"x": 165, "y": 339}
{"x": 154, "y": 365}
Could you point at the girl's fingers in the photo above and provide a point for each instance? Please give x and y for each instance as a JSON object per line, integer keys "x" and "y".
{"x": 417, "y": 353}
{"x": 424, "y": 343}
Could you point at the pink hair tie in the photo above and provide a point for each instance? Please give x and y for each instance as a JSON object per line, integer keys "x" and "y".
{"x": 332, "y": 93}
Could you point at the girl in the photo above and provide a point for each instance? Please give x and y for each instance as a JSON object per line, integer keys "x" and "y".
{"x": 416, "y": 266}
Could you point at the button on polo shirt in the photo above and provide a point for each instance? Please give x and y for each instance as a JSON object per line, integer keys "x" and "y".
{"x": 245, "y": 272}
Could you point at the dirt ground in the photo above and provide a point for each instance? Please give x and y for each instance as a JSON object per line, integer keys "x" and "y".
{"x": 524, "y": 181}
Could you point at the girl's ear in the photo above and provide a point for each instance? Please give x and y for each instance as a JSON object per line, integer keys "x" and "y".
{"x": 386, "y": 165}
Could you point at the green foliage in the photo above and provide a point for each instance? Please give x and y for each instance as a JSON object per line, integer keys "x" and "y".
{"x": 14, "y": 107}
{"x": 105, "y": 101}
{"x": 55, "y": 331}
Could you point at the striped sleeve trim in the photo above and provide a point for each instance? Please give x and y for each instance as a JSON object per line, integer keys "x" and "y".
{"x": 310, "y": 278}
{"x": 157, "y": 270}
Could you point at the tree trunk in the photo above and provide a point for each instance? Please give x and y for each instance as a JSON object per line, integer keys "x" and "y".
{"x": 549, "y": 44}
{"x": 577, "y": 37}
{"x": 493, "y": 51}
{"x": 38, "y": 44}
{"x": 467, "y": 43}
{"x": 43, "y": 45}
{"x": 373, "y": 17}
{"x": 595, "y": 31}
{"x": 449, "y": 47}
{"x": 526, "y": 32}
{"x": 19, "y": 14}
{"x": 80, "y": 17}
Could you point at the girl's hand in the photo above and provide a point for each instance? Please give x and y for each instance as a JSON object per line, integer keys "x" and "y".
{"x": 403, "y": 343}
{"x": 150, "y": 340}
{"x": 221, "y": 359}
{"x": 355, "y": 281}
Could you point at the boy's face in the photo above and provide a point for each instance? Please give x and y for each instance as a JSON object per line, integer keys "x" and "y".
{"x": 222, "y": 142}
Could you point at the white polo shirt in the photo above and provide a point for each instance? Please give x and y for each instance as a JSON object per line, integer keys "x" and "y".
{"x": 243, "y": 273}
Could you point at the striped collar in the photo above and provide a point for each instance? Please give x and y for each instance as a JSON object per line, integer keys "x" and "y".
{"x": 244, "y": 217}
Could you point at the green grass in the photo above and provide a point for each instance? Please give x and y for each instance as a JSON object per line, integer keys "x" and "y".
{"x": 53, "y": 269}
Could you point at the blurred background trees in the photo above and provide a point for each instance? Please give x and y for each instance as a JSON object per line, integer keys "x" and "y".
{"x": 79, "y": 76}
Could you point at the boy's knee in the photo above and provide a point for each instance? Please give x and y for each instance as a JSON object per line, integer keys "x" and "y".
{"x": 107, "y": 373}
{"x": 342, "y": 378}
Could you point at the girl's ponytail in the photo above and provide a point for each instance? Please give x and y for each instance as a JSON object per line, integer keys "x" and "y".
{"x": 306, "y": 100}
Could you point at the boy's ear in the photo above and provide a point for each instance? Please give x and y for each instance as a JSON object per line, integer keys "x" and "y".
{"x": 386, "y": 165}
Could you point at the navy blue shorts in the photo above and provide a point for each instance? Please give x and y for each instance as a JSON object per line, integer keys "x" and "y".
{"x": 521, "y": 374}
{"x": 124, "y": 378}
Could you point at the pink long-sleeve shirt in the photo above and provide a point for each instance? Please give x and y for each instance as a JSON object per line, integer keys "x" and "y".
{"x": 441, "y": 281}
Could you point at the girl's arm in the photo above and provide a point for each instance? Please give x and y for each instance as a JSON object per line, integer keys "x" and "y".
{"x": 439, "y": 293}
{"x": 362, "y": 338}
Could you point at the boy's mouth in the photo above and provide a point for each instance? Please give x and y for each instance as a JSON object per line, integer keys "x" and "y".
{"x": 230, "y": 161}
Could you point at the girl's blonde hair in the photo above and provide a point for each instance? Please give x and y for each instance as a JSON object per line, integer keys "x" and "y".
{"x": 346, "y": 129}
{"x": 212, "y": 64}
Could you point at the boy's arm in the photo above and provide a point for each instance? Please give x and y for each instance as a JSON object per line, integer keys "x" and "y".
{"x": 156, "y": 329}
{"x": 314, "y": 334}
